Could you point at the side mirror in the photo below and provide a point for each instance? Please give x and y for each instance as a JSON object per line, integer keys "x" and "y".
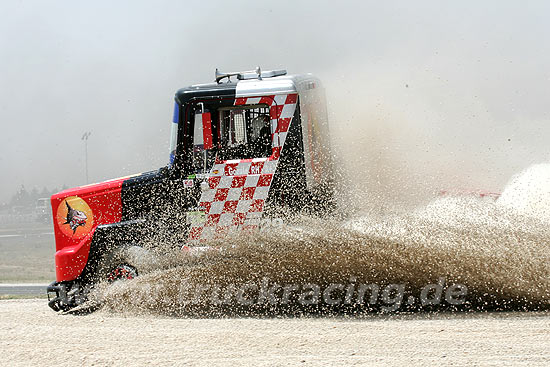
{"x": 205, "y": 119}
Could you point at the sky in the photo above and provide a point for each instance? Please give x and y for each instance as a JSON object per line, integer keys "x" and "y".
{"x": 423, "y": 94}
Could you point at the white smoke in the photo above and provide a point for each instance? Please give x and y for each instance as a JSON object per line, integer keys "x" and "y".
{"x": 528, "y": 193}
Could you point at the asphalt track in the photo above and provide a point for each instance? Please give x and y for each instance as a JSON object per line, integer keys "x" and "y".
{"x": 27, "y": 289}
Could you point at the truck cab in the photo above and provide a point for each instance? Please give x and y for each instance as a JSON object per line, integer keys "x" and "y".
{"x": 244, "y": 152}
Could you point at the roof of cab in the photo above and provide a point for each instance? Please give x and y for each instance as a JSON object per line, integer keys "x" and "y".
{"x": 204, "y": 90}
{"x": 245, "y": 88}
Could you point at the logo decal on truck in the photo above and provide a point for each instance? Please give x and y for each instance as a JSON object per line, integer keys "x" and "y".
{"x": 74, "y": 217}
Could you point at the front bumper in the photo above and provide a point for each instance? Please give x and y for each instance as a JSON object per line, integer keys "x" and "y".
{"x": 67, "y": 295}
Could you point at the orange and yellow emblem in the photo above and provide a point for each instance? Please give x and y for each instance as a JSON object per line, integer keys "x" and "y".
{"x": 74, "y": 217}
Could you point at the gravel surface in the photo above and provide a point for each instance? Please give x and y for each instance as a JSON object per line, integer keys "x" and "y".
{"x": 32, "y": 334}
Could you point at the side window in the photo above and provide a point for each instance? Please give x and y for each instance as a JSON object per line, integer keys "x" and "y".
{"x": 245, "y": 132}
{"x": 203, "y": 153}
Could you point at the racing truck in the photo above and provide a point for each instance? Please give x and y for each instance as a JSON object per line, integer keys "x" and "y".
{"x": 244, "y": 151}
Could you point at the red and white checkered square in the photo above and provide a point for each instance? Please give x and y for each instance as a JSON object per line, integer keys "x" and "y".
{"x": 237, "y": 189}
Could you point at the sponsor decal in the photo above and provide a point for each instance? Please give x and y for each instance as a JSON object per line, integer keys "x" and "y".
{"x": 230, "y": 170}
{"x": 255, "y": 169}
{"x": 196, "y": 217}
{"x": 74, "y": 217}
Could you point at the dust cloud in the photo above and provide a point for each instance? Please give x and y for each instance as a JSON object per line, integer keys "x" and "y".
{"x": 396, "y": 153}
{"x": 498, "y": 249}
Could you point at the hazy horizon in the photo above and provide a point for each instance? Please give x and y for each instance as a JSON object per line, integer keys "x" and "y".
{"x": 453, "y": 94}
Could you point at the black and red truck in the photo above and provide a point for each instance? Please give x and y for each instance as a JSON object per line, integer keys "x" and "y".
{"x": 244, "y": 149}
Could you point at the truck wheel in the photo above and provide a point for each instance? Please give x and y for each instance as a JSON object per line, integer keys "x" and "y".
{"x": 121, "y": 272}
{"x": 118, "y": 264}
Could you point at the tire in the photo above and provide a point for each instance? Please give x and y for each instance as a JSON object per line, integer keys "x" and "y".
{"x": 122, "y": 272}
{"x": 116, "y": 265}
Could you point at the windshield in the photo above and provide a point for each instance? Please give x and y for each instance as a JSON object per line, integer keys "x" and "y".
{"x": 237, "y": 133}
{"x": 245, "y": 132}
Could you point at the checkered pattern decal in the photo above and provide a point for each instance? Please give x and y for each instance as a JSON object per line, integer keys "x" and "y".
{"x": 237, "y": 189}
